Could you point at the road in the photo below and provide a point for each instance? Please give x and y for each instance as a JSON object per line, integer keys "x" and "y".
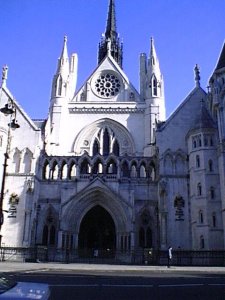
{"x": 129, "y": 286}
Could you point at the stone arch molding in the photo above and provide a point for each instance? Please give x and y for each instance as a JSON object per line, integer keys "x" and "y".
{"x": 74, "y": 210}
{"x": 86, "y": 137}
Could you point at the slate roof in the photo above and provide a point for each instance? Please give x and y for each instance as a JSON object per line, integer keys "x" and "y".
{"x": 221, "y": 61}
{"x": 203, "y": 119}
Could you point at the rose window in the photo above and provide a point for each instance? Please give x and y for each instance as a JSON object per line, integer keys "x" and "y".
{"x": 107, "y": 85}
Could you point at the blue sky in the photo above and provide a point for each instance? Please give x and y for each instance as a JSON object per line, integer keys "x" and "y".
{"x": 186, "y": 32}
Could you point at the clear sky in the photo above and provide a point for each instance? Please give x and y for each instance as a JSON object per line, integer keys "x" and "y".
{"x": 186, "y": 32}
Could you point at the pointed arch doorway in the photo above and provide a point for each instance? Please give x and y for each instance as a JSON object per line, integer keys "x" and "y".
{"x": 97, "y": 232}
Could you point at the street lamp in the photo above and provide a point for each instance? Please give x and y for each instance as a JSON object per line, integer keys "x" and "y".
{"x": 8, "y": 110}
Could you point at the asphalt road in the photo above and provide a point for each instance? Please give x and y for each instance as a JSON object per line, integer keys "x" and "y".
{"x": 129, "y": 286}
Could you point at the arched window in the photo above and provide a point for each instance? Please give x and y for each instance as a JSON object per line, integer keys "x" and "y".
{"x": 97, "y": 168}
{"x": 199, "y": 189}
{"x": 210, "y": 164}
{"x": 202, "y": 242}
{"x": 46, "y": 171}
{"x": 214, "y": 220}
{"x": 142, "y": 171}
{"x": 72, "y": 171}
{"x": 27, "y": 160}
{"x": 125, "y": 169}
{"x": 106, "y": 142}
{"x": 201, "y": 218}
{"x": 116, "y": 148}
{"x": 55, "y": 171}
{"x": 85, "y": 167}
{"x": 154, "y": 86}
{"x": 59, "y": 92}
{"x": 95, "y": 147}
{"x": 111, "y": 167}
{"x": 16, "y": 160}
{"x": 212, "y": 192}
{"x": 133, "y": 173}
{"x": 211, "y": 141}
{"x": 197, "y": 161}
{"x": 64, "y": 171}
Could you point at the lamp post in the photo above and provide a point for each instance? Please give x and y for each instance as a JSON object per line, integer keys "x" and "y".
{"x": 8, "y": 110}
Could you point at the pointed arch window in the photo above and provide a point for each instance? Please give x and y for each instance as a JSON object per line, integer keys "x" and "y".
{"x": 199, "y": 189}
{"x": 201, "y": 217}
{"x": 64, "y": 171}
{"x": 106, "y": 140}
{"x": 17, "y": 160}
{"x": 27, "y": 160}
{"x": 96, "y": 147}
{"x": 152, "y": 171}
{"x": 210, "y": 164}
{"x": 133, "y": 173}
{"x": 154, "y": 86}
{"x": 125, "y": 169}
{"x": 55, "y": 171}
{"x": 212, "y": 192}
{"x": 143, "y": 171}
{"x": 72, "y": 171}
{"x": 197, "y": 161}
{"x": 85, "y": 167}
{"x": 111, "y": 167}
{"x": 214, "y": 220}
{"x": 59, "y": 85}
{"x": 202, "y": 242}
{"x": 98, "y": 167}
{"x": 116, "y": 148}
{"x": 46, "y": 171}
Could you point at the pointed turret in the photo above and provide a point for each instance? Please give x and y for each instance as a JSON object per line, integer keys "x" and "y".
{"x": 110, "y": 43}
{"x": 152, "y": 92}
{"x": 155, "y": 84}
{"x": 64, "y": 81}
{"x": 63, "y": 62}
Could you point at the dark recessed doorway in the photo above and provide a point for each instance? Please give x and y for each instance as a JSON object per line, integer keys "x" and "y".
{"x": 97, "y": 235}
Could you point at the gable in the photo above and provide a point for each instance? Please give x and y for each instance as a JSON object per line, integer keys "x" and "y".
{"x": 108, "y": 83}
{"x": 172, "y": 133}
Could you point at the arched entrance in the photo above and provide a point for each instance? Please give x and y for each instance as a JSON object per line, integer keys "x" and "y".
{"x": 97, "y": 235}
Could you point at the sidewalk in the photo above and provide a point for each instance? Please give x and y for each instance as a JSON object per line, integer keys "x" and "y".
{"x": 99, "y": 268}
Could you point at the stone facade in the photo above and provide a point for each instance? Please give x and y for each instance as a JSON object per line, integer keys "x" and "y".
{"x": 106, "y": 170}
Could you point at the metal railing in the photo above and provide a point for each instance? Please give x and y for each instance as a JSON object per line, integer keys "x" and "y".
{"x": 138, "y": 257}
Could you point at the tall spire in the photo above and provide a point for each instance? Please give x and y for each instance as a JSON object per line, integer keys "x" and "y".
{"x": 111, "y": 22}
{"x": 110, "y": 43}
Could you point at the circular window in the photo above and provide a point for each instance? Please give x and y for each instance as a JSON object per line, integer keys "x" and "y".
{"x": 106, "y": 85}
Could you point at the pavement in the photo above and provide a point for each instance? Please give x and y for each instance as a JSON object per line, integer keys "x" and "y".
{"x": 102, "y": 268}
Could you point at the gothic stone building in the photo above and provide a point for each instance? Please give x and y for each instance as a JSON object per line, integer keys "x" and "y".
{"x": 106, "y": 170}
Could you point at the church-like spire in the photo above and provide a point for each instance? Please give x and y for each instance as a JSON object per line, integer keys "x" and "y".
{"x": 63, "y": 63}
{"x": 153, "y": 62}
{"x": 64, "y": 81}
{"x": 111, "y": 22}
{"x": 110, "y": 43}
